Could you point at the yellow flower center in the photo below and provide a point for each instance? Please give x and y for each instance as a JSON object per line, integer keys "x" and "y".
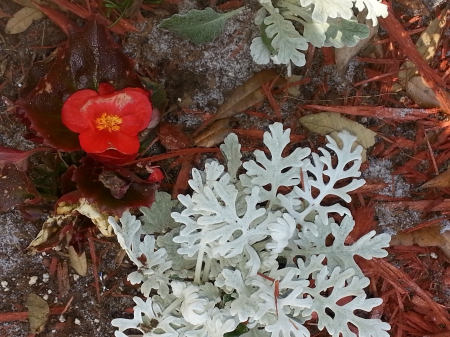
{"x": 110, "y": 122}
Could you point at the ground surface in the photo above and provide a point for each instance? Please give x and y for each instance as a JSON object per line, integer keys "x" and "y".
{"x": 197, "y": 79}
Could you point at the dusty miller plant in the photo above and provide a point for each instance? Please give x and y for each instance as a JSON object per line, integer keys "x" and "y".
{"x": 254, "y": 250}
{"x": 323, "y": 23}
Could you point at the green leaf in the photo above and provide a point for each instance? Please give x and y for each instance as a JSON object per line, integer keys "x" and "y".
{"x": 345, "y": 33}
{"x": 265, "y": 39}
{"x": 157, "y": 219}
{"x": 198, "y": 26}
{"x": 158, "y": 96}
{"x": 179, "y": 262}
{"x": 240, "y": 330}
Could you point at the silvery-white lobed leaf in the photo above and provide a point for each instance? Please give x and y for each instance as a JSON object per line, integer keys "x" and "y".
{"x": 193, "y": 307}
{"x": 374, "y": 7}
{"x": 281, "y": 232}
{"x": 284, "y": 298}
{"x": 268, "y": 261}
{"x": 231, "y": 150}
{"x": 338, "y": 253}
{"x": 324, "y": 9}
{"x": 344, "y": 285}
{"x": 128, "y": 235}
{"x": 259, "y": 52}
{"x": 279, "y": 170}
{"x": 229, "y": 224}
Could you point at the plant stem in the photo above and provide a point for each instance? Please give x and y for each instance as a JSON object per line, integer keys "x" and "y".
{"x": 207, "y": 269}
{"x": 198, "y": 266}
{"x": 172, "y": 306}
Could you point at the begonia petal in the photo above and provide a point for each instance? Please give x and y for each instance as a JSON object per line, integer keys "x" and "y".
{"x": 127, "y": 144}
{"x": 93, "y": 141}
{"x": 133, "y": 107}
{"x": 71, "y": 114}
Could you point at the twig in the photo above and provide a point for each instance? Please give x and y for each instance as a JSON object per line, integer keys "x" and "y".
{"x": 431, "y": 154}
{"x": 94, "y": 266}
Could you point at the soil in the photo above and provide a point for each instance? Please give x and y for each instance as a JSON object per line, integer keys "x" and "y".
{"x": 197, "y": 80}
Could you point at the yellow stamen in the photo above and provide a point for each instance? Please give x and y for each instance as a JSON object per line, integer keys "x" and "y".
{"x": 110, "y": 122}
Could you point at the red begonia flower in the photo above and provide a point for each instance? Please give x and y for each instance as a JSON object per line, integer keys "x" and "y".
{"x": 108, "y": 119}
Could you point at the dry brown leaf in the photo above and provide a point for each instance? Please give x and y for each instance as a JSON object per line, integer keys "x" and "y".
{"x": 416, "y": 86}
{"x": 440, "y": 181}
{"x": 38, "y": 311}
{"x": 22, "y": 19}
{"x": 49, "y": 233}
{"x": 330, "y": 123}
{"x": 78, "y": 262}
{"x": 435, "y": 82}
{"x": 214, "y": 134}
{"x": 244, "y": 96}
{"x": 424, "y": 237}
{"x": 421, "y": 93}
{"x": 426, "y": 46}
{"x": 294, "y": 91}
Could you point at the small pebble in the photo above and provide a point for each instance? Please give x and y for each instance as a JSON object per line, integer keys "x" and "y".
{"x": 49, "y": 291}
{"x": 62, "y": 319}
{"x": 96, "y": 321}
{"x": 76, "y": 277}
{"x": 45, "y": 277}
{"x": 45, "y": 297}
{"x": 33, "y": 280}
{"x": 434, "y": 255}
{"x": 77, "y": 321}
{"x": 4, "y": 284}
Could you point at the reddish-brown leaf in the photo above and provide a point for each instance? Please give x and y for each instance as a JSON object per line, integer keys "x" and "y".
{"x": 108, "y": 194}
{"x": 89, "y": 58}
{"x": 17, "y": 157}
{"x": 16, "y": 188}
{"x": 172, "y": 138}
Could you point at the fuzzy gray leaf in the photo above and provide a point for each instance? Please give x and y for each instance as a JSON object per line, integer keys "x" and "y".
{"x": 198, "y": 26}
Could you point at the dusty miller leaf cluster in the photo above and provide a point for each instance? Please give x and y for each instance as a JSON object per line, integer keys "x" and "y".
{"x": 254, "y": 248}
{"x": 323, "y": 23}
